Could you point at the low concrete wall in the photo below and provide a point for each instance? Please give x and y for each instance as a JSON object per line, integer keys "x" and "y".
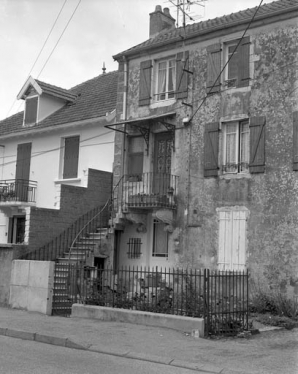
{"x": 185, "y": 324}
{"x": 31, "y": 286}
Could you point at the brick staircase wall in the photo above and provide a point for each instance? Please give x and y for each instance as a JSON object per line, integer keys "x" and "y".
{"x": 46, "y": 224}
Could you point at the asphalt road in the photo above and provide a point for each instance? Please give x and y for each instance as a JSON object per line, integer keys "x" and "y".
{"x": 26, "y": 357}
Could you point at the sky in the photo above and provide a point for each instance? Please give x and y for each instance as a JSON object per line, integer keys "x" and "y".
{"x": 66, "y": 42}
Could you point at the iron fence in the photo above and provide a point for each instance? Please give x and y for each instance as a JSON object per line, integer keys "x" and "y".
{"x": 221, "y": 298}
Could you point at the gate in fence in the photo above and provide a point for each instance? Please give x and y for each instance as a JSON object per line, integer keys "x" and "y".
{"x": 220, "y": 297}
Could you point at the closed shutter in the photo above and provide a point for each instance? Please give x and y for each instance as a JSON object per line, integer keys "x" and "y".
{"x": 182, "y": 62}
{"x": 232, "y": 240}
{"x": 211, "y": 150}
{"x": 23, "y": 161}
{"x": 31, "y": 111}
{"x": 295, "y": 141}
{"x": 238, "y": 241}
{"x": 145, "y": 83}
{"x": 213, "y": 68}
{"x": 243, "y": 63}
{"x": 71, "y": 157}
{"x": 257, "y": 144}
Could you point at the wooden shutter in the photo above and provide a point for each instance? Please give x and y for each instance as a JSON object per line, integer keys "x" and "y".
{"x": 182, "y": 62}
{"x": 295, "y": 141}
{"x": 31, "y": 111}
{"x": 71, "y": 157}
{"x": 211, "y": 150}
{"x": 145, "y": 83}
{"x": 224, "y": 240}
{"x": 23, "y": 161}
{"x": 238, "y": 240}
{"x": 213, "y": 68}
{"x": 243, "y": 62}
{"x": 257, "y": 144}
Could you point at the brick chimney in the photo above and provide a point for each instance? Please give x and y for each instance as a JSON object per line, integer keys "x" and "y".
{"x": 160, "y": 20}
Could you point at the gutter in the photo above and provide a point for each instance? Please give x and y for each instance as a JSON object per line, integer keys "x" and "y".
{"x": 28, "y": 132}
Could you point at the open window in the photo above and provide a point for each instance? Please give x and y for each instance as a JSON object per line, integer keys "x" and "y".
{"x": 31, "y": 106}
{"x": 235, "y": 147}
{"x": 135, "y": 158}
{"x": 170, "y": 79}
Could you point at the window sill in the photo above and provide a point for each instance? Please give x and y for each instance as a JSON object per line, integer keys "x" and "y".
{"x": 235, "y": 176}
{"x": 159, "y": 104}
{"x": 230, "y": 90}
{"x": 70, "y": 180}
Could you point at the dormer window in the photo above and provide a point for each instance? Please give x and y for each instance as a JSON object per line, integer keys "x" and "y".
{"x": 31, "y": 111}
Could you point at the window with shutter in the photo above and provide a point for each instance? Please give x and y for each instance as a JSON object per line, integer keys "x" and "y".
{"x": 295, "y": 141}
{"x": 237, "y": 72}
{"x": 213, "y": 68}
{"x": 257, "y": 144}
{"x": 145, "y": 83}
{"x": 232, "y": 239}
{"x": 182, "y": 64}
{"x": 235, "y": 146}
{"x": 136, "y": 157}
{"x": 211, "y": 140}
{"x": 31, "y": 111}
{"x": 71, "y": 157}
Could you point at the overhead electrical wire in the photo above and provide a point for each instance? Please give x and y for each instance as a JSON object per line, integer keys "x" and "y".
{"x": 42, "y": 48}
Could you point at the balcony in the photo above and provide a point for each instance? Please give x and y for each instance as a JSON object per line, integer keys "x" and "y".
{"x": 17, "y": 191}
{"x": 150, "y": 191}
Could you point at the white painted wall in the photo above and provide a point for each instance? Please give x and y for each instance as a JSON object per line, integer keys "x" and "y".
{"x": 96, "y": 151}
{"x": 31, "y": 286}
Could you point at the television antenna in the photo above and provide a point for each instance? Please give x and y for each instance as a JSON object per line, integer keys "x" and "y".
{"x": 188, "y": 10}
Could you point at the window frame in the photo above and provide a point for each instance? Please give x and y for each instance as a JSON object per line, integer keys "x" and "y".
{"x": 155, "y": 253}
{"x": 232, "y": 238}
{"x": 166, "y": 93}
{"x": 28, "y": 99}
{"x": 241, "y": 166}
{"x": 131, "y": 155}
{"x": 63, "y": 155}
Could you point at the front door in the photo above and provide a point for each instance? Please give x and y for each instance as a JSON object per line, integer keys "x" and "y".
{"x": 162, "y": 162}
{"x": 23, "y": 171}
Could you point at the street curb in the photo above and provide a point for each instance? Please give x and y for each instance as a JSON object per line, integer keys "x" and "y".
{"x": 65, "y": 342}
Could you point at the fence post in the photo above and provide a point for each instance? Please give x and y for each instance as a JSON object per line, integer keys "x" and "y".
{"x": 206, "y": 302}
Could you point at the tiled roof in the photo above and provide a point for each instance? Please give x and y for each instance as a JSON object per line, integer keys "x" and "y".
{"x": 56, "y": 91}
{"x": 94, "y": 98}
{"x": 205, "y": 27}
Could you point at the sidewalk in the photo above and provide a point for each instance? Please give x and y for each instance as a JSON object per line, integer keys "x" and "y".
{"x": 270, "y": 352}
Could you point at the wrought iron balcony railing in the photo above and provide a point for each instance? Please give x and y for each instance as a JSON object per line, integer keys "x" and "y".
{"x": 18, "y": 190}
{"x": 150, "y": 190}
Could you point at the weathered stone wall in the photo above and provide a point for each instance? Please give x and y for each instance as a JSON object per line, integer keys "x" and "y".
{"x": 6, "y": 257}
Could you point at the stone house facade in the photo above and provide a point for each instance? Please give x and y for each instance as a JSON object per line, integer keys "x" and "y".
{"x": 206, "y": 146}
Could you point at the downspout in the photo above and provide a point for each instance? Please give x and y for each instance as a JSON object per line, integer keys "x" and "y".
{"x": 124, "y": 114}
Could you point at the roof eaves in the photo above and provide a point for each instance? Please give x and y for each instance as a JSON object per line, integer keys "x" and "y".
{"x": 136, "y": 50}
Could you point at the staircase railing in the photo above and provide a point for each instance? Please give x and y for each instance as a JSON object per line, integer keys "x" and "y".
{"x": 61, "y": 243}
{"x": 88, "y": 244}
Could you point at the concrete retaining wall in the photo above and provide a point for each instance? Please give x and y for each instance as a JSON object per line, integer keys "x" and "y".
{"x": 31, "y": 286}
{"x": 185, "y": 324}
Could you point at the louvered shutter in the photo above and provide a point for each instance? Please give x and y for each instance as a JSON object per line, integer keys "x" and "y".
{"x": 213, "y": 68}
{"x": 182, "y": 62}
{"x": 211, "y": 150}
{"x": 257, "y": 144}
{"x": 71, "y": 157}
{"x": 31, "y": 111}
{"x": 243, "y": 62}
{"x": 295, "y": 141}
{"x": 145, "y": 82}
